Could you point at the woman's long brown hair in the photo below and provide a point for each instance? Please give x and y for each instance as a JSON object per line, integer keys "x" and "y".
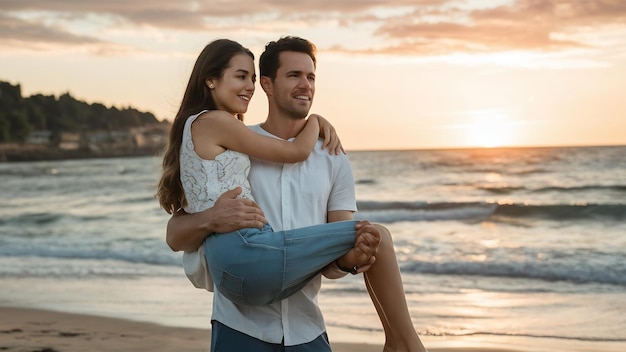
{"x": 211, "y": 63}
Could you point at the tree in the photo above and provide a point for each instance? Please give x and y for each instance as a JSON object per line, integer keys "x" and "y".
{"x": 19, "y": 116}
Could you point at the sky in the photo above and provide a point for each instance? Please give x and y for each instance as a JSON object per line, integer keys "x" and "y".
{"x": 403, "y": 74}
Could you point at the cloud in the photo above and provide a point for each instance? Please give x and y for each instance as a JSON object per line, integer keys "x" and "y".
{"x": 402, "y": 27}
{"x": 16, "y": 29}
{"x": 19, "y": 35}
{"x": 558, "y": 13}
{"x": 440, "y": 38}
{"x": 521, "y": 25}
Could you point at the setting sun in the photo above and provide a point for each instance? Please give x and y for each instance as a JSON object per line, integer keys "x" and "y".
{"x": 489, "y": 129}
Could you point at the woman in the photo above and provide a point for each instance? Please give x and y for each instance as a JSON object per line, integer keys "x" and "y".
{"x": 210, "y": 150}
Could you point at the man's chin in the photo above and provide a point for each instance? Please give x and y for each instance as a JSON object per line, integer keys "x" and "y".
{"x": 298, "y": 115}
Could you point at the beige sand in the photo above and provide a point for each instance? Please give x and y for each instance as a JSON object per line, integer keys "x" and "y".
{"x": 32, "y": 330}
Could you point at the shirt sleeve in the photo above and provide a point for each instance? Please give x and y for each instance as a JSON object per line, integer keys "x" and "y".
{"x": 343, "y": 194}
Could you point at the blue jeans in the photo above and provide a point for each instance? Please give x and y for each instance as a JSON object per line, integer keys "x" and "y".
{"x": 259, "y": 266}
{"x": 225, "y": 339}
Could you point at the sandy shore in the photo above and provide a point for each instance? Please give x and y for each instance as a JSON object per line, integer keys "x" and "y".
{"x": 33, "y": 330}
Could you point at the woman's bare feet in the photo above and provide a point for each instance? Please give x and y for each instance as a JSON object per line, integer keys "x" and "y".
{"x": 363, "y": 255}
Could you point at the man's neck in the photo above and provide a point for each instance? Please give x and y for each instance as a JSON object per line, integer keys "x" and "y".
{"x": 283, "y": 127}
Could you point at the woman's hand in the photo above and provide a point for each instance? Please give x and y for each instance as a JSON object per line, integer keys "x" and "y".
{"x": 331, "y": 139}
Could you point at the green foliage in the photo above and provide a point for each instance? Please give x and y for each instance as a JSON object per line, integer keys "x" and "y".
{"x": 21, "y": 115}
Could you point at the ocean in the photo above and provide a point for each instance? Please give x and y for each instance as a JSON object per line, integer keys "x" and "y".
{"x": 512, "y": 242}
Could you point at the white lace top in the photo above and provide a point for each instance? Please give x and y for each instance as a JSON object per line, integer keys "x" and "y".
{"x": 205, "y": 180}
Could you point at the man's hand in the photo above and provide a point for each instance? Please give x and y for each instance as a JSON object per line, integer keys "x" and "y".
{"x": 369, "y": 237}
{"x": 186, "y": 232}
{"x": 231, "y": 213}
{"x": 363, "y": 255}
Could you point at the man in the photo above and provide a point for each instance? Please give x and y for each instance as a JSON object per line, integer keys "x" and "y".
{"x": 318, "y": 190}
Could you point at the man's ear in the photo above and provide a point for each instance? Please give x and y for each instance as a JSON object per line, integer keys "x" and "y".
{"x": 266, "y": 84}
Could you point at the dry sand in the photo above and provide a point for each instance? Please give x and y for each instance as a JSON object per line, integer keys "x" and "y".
{"x": 32, "y": 330}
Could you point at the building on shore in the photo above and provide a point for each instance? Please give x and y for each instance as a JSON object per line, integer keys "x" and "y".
{"x": 43, "y": 144}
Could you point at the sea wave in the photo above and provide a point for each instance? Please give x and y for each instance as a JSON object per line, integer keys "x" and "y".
{"x": 46, "y": 218}
{"x": 613, "y": 188}
{"x": 144, "y": 251}
{"x": 440, "y": 333}
{"x": 507, "y": 189}
{"x": 609, "y": 270}
{"x": 388, "y": 212}
{"x": 539, "y": 270}
{"x": 487, "y": 333}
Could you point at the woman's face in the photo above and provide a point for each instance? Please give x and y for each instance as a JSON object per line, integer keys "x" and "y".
{"x": 233, "y": 91}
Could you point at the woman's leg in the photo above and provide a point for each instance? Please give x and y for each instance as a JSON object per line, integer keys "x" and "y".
{"x": 384, "y": 284}
{"x": 310, "y": 249}
{"x": 257, "y": 267}
{"x": 237, "y": 265}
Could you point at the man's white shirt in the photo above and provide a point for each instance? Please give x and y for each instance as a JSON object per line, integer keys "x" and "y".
{"x": 291, "y": 196}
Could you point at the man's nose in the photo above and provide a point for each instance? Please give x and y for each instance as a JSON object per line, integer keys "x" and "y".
{"x": 304, "y": 83}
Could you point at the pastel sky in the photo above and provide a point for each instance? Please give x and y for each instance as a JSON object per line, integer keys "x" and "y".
{"x": 403, "y": 74}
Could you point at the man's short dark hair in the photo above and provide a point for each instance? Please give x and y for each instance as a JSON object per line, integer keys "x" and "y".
{"x": 269, "y": 60}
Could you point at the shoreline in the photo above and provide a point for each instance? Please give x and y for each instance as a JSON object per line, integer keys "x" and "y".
{"x": 16, "y": 152}
{"x": 27, "y": 153}
{"x": 29, "y": 329}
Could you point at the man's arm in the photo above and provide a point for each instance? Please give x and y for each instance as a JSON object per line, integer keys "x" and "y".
{"x": 332, "y": 271}
{"x": 186, "y": 232}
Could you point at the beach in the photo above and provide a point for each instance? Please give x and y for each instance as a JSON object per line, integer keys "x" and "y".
{"x": 34, "y": 330}
{"x": 161, "y": 312}
{"x": 499, "y": 249}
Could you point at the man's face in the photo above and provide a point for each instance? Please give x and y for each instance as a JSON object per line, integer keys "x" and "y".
{"x": 294, "y": 85}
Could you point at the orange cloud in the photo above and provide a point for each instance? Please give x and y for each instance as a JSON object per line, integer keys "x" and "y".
{"x": 18, "y": 30}
{"x": 402, "y": 27}
{"x": 522, "y": 25}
